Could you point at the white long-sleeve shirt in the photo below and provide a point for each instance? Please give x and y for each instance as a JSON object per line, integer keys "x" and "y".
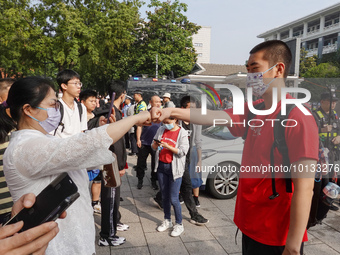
{"x": 33, "y": 160}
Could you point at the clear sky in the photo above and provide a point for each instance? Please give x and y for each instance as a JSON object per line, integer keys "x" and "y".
{"x": 235, "y": 24}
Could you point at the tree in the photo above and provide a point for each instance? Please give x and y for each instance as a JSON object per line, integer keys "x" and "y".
{"x": 323, "y": 70}
{"x": 167, "y": 33}
{"x": 14, "y": 32}
{"x": 306, "y": 62}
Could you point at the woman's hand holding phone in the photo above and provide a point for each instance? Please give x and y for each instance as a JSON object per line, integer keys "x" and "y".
{"x": 34, "y": 240}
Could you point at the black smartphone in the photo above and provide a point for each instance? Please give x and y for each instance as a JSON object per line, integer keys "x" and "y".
{"x": 111, "y": 105}
{"x": 157, "y": 141}
{"x": 49, "y": 204}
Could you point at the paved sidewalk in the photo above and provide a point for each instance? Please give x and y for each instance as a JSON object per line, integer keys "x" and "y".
{"x": 216, "y": 237}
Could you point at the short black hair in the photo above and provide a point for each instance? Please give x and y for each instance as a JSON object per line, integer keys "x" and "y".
{"x": 185, "y": 100}
{"x": 85, "y": 94}
{"x": 275, "y": 51}
{"x": 65, "y": 75}
{"x": 119, "y": 87}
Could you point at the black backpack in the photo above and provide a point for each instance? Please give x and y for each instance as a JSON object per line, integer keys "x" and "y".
{"x": 80, "y": 110}
{"x": 318, "y": 209}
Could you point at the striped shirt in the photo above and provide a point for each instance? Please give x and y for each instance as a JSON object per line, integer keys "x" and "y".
{"x": 6, "y": 201}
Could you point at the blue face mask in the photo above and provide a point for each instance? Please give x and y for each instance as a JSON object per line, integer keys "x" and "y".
{"x": 52, "y": 121}
{"x": 169, "y": 126}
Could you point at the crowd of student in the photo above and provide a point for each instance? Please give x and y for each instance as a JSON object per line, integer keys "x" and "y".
{"x": 49, "y": 137}
{"x": 75, "y": 119}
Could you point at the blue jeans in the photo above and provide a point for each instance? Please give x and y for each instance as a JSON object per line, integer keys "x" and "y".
{"x": 170, "y": 191}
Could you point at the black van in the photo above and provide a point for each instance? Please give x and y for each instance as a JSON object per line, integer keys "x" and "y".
{"x": 177, "y": 89}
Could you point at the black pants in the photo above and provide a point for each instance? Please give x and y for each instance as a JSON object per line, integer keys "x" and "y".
{"x": 133, "y": 142}
{"x": 143, "y": 153}
{"x": 127, "y": 141}
{"x": 186, "y": 192}
{"x": 110, "y": 200}
{"x": 252, "y": 247}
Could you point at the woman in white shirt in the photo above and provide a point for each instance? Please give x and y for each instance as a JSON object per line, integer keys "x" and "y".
{"x": 34, "y": 158}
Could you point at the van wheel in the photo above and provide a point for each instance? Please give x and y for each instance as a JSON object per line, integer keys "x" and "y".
{"x": 224, "y": 184}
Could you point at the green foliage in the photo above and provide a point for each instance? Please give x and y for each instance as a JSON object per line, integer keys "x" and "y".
{"x": 100, "y": 39}
{"x": 323, "y": 70}
{"x": 14, "y": 31}
{"x": 168, "y": 34}
{"x": 318, "y": 76}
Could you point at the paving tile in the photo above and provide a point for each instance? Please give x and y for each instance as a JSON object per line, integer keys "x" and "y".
{"x": 128, "y": 199}
{"x": 333, "y": 214}
{"x": 205, "y": 201}
{"x": 216, "y": 217}
{"x": 318, "y": 249}
{"x": 312, "y": 239}
{"x": 193, "y": 233}
{"x": 151, "y": 220}
{"x": 129, "y": 214}
{"x": 327, "y": 235}
{"x": 332, "y": 222}
{"x": 146, "y": 204}
{"x": 226, "y": 237}
{"x": 205, "y": 247}
{"x": 146, "y": 191}
{"x": 102, "y": 250}
{"x": 227, "y": 206}
{"x": 125, "y": 187}
{"x": 163, "y": 243}
{"x": 134, "y": 236}
{"x": 120, "y": 250}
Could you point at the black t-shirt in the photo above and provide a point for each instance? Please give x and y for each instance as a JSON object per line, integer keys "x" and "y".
{"x": 188, "y": 127}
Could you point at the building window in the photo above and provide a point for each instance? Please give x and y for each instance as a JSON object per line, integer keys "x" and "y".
{"x": 332, "y": 20}
{"x": 313, "y": 26}
{"x": 198, "y": 44}
{"x": 330, "y": 40}
{"x": 284, "y": 35}
{"x": 312, "y": 45}
{"x": 199, "y": 55}
{"x": 298, "y": 31}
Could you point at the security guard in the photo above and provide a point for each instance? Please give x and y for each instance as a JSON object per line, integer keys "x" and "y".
{"x": 329, "y": 127}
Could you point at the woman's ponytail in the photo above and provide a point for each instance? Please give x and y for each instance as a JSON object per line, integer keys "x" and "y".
{"x": 7, "y": 124}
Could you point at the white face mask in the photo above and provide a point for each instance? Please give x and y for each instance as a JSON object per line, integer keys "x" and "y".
{"x": 255, "y": 81}
{"x": 52, "y": 121}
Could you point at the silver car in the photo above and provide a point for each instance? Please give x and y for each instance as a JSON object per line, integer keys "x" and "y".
{"x": 221, "y": 161}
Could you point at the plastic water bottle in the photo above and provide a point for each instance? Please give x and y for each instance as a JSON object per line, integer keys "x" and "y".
{"x": 330, "y": 192}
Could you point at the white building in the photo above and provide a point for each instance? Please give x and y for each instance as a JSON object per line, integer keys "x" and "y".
{"x": 319, "y": 32}
{"x": 201, "y": 42}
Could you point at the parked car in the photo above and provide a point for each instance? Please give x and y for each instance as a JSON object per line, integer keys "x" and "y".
{"x": 221, "y": 161}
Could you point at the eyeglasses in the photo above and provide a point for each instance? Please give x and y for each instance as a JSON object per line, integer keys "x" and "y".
{"x": 79, "y": 84}
{"x": 56, "y": 106}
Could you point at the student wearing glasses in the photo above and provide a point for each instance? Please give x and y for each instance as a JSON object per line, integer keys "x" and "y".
{"x": 74, "y": 120}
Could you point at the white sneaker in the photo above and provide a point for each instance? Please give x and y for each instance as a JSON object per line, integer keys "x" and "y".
{"x": 165, "y": 225}
{"x": 122, "y": 227}
{"x": 178, "y": 229}
{"x": 97, "y": 208}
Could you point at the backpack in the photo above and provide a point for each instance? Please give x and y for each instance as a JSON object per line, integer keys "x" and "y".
{"x": 80, "y": 110}
{"x": 318, "y": 209}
